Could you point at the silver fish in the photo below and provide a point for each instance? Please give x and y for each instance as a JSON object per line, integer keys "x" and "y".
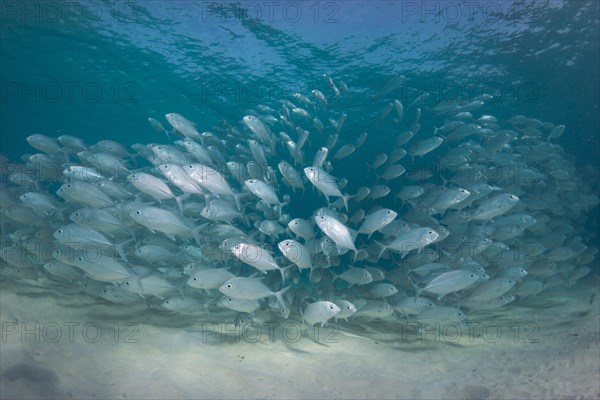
{"x": 257, "y": 257}
{"x": 250, "y": 289}
{"x": 319, "y": 312}
{"x": 377, "y": 220}
{"x": 325, "y": 183}
{"x": 338, "y": 232}
{"x": 415, "y": 239}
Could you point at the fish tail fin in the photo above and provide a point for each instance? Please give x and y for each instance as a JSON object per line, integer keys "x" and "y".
{"x": 58, "y": 213}
{"x": 377, "y": 176}
{"x": 238, "y": 204}
{"x": 196, "y": 233}
{"x": 444, "y": 179}
{"x": 179, "y": 201}
{"x": 180, "y": 288}
{"x": 279, "y": 295}
{"x": 382, "y": 248}
{"x": 356, "y": 254}
{"x": 132, "y": 233}
{"x": 244, "y": 219}
{"x": 302, "y": 317}
{"x": 283, "y": 271}
{"x": 345, "y": 198}
{"x": 140, "y": 287}
{"x": 404, "y": 203}
{"x": 418, "y": 290}
{"x": 121, "y": 249}
{"x": 334, "y": 275}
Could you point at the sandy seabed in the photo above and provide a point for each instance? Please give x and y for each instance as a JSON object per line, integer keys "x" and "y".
{"x": 73, "y": 346}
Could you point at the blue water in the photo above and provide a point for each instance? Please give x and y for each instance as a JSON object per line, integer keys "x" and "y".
{"x": 100, "y": 69}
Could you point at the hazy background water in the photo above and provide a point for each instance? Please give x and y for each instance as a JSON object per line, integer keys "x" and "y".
{"x": 99, "y": 69}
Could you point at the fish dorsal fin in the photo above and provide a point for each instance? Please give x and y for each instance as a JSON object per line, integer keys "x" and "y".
{"x": 256, "y": 276}
{"x": 353, "y": 233}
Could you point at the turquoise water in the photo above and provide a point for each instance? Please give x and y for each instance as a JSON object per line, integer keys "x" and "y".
{"x": 100, "y": 69}
{"x": 126, "y": 61}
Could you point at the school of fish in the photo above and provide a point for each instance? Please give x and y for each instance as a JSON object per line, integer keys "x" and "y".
{"x": 447, "y": 220}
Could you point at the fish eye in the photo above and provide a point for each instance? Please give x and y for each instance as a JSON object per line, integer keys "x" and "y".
{"x": 229, "y": 285}
{"x": 137, "y": 212}
{"x": 387, "y": 307}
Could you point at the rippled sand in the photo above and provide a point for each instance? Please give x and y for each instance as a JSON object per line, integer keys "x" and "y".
{"x": 545, "y": 347}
